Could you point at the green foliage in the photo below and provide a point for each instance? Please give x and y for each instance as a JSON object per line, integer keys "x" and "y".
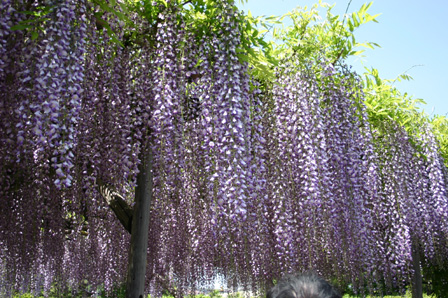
{"x": 308, "y": 39}
{"x": 26, "y": 295}
{"x": 407, "y": 295}
{"x": 236, "y": 295}
{"x": 212, "y": 294}
{"x": 437, "y": 281}
{"x": 34, "y": 20}
{"x": 261, "y": 53}
{"x": 120, "y": 292}
{"x": 116, "y": 8}
{"x": 83, "y": 290}
{"x": 200, "y": 18}
{"x": 385, "y": 102}
{"x": 440, "y": 127}
{"x": 333, "y": 38}
{"x": 312, "y": 37}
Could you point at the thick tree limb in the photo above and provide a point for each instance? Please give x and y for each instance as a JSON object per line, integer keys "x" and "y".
{"x": 118, "y": 205}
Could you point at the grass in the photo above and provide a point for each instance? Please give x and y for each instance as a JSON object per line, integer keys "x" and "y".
{"x": 407, "y": 295}
{"x": 120, "y": 293}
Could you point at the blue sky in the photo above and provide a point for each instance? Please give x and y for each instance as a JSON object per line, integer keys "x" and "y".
{"x": 410, "y": 33}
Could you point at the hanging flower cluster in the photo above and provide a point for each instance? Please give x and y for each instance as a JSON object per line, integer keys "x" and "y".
{"x": 409, "y": 212}
{"x": 319, "y": 179}
{"x": 206, "y": 150}
{"x": 247, "y": 185}
{"x": 51, "y": 222}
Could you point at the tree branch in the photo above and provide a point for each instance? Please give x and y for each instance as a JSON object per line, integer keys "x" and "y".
{"x": 186, "y": 2}
{"x": 118, "y": 205}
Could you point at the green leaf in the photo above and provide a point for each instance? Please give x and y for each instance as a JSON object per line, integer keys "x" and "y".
{"x": 366, "y": 45}
{"x": 355, "y": 20}
{"x": 124, "y": 7}
{"x": 243, "y": 57}
{"x": 34, "y": 35}
{"x": 32, "y": 13}
{"x": 116, "y": 40}
{"x": 21, "y": 27}
{"x": 198, "y": 63}
{"x": 271, "y": 18}
{"x": 350, "y": 25}
{"x": 356, "y": 53}
{"x": 42, "y": 11}
{"x": 255, "y": 33}
{"x": 104, "y": 6}
{"x": 375, "y": 16}
{"x": 368, "y": 105}
{"x": 120, "y": 15}
{"x": 403, "y": 123}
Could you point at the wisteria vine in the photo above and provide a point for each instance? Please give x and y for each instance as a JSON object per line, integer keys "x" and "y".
{"x": 248, "y": 185}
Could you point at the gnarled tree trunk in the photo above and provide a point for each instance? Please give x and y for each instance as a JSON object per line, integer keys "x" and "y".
{"x": 417, "y": 288}
{"x": 135, "y": 282}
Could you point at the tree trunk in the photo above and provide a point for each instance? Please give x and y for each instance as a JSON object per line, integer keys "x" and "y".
{"x": 417, "y": 289}
{"x": 135, "y": 282}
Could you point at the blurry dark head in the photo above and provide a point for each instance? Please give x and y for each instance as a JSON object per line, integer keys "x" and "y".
{"x": 306, "y": 285}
